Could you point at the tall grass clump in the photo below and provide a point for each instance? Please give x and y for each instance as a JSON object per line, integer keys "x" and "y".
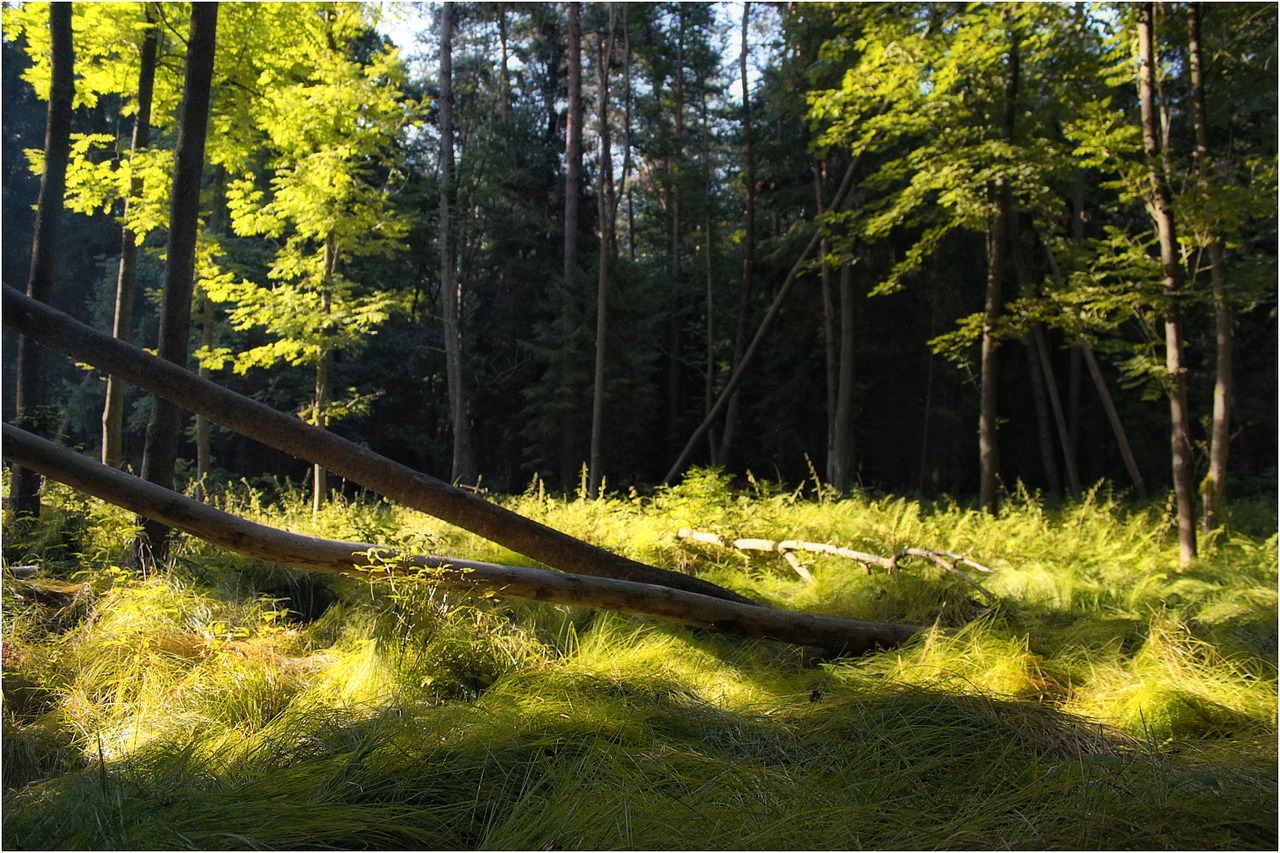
{"x": 1103, "y": 698}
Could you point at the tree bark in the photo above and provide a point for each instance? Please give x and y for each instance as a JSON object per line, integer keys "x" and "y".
{"x": 606, "y": 208}
{"x": 24, "y": 488}
{"x": 302, "y": 440}
{"x": 1117, "y": 426}
{"x": 569, "y": 457}
{"x": 997, "y": 242}
{"x": 127, "y": 279}
{"x": 1214, "y": 486}
{"x": 842, "y": 477}
{"x": 1161, "y": 208}
{"x": 838, "y": 636}
{"x": 766, "y": 324}
{"x": 748, "y": 240}
{"x": 163, "y": 429}
{"x": 463, "y": 468}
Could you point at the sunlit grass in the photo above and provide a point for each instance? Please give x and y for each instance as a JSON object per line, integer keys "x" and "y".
{"x": 1106, "y": 700}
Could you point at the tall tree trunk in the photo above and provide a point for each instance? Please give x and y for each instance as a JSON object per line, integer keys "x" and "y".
{"x": 324, "y": 359}
{"x": 1214, "y": 487}
{"x": 997, "y": 241}
{"x": 626, "y": 131}
{"x": 830, "y": 346}
{"x": 1161, "y": 208}
{"x": 842, "y": 451}
{"x": 748, "y": 238}
{"x": 1117, "y": 426}
{"x": 463, "y": 468}
{"x": 606, "y": 208}
{"x": 675, "y": 307}
{"x": 217, "y": 227}
{"x": 572, "y": 191}
{"x": 164, "y": 427}
{"x": 24, "y": 488}
{"x": 127, "y": 279}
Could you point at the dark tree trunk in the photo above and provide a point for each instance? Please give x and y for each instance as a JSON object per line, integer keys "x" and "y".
{"x": 748, "y": 240}
{"x": 463, "y": 468}
{"x": 842, "y": 478}
{"x": 127, "y": 280}
{"x": 606, "y": 208}
{"x": 572, "y": 192}
{"x": 24, "y": 488}
{"x": 1161, "y": 206}
{"x": 997, "y": 243}
{"x": 1214, "y": 487}
{"x": 163, "y": 430}
{"x": 291, "y": 435}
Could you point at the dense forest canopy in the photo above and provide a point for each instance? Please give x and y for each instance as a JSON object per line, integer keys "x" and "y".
{"x": 930, "y": 234}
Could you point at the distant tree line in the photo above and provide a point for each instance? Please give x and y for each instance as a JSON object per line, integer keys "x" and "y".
{"x": 906, "y": 247}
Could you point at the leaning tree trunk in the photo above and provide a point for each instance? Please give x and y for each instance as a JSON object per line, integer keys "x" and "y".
{"x": 1161, "y": 208}
{"x": 161, "y": 450}
{"x": 1214, "y": 487}
{"x": 24, "y": 488}
{"x": 290, "y": 435}
{"x": 370, "y": 561}
{"x": 127, "y": 279}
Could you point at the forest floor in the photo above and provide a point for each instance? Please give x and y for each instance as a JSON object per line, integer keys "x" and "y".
{"x": 1106, "y": 700}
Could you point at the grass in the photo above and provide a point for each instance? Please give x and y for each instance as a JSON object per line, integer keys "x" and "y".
{"x": 1108, "y": 701}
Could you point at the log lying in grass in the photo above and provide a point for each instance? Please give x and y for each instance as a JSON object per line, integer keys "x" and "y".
{"x": 839, "y": 636}
{"x": 788, "y": 547}
{"x": 286, "y": 433}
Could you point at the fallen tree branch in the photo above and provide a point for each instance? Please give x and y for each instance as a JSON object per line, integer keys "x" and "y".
{"x": 788, "y": 547}
{"x": 289, "y": 434}
{"x": 838, "y": 636}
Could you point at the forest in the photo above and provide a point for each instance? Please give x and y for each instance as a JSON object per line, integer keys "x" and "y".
{"x": 667, "y": 425}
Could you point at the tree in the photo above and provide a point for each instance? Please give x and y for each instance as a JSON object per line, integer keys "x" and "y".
{"x": 126, "y": 282}
{"x": 464, "y": 465}
{"x": 607, "y": 206}
{"x": 1161, "y": 209}
{"x": 329, "y": 131}
{"x": 44, "y": 260}
{"x": 161, "y": 451}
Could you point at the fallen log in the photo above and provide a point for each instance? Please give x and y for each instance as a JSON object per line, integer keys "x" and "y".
{"x": 788, "y": 547}
{"x": 286, "y": 433}
{"x": 835, "y": 635}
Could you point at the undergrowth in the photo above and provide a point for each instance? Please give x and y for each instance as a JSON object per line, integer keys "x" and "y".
{"x": 1106, "y": 699}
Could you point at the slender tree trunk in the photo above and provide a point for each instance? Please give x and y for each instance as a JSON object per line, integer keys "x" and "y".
{"x": 842, "y": 451}
{"x": 1117, "y": 426}
{"x": 830, "y": 346}
{"x": 217, "y": 227}
{"x": 127, "y": 279}
{"x": 997, "y": 240}
{"x": 1048, "y": 456}
{"x": 463, "y": 468}
{"x": 1214, "y": 486}
{"x": 24, "y": 488}
{"x": 675, "y": 226}
{"x": 606, "y": 208}
{"x": 1161, "y": 207}
{"x": 748, "y": 238}
{"x": 626, "y": 131}
{"x": 572, "y": 191}
{"x": 163, "y": 430}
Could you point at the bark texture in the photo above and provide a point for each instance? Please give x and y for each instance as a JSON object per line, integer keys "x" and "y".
{"x": 163, "y": 429}
{"x": 25, "y": 486}
{"x": 345, "y": 458}
{"x": 847, "y": 636}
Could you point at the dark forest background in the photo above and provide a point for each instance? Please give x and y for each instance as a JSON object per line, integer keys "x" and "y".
{"x": 687, "y": 160}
